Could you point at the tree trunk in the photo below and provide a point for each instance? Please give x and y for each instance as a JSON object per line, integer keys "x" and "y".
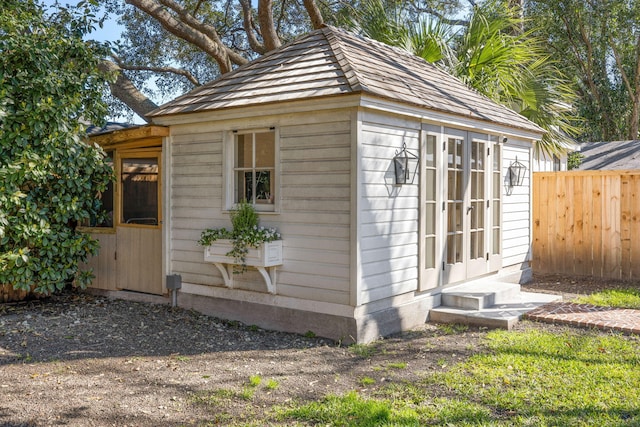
{"x": 125, "y": 91}
{"x": 314, "y": 13}
{"x": 9, "y": 294}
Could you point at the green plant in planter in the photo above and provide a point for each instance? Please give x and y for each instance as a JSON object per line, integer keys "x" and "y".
{"x": 245, "y": 233}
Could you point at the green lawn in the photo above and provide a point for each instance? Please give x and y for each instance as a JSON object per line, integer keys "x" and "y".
{"x": 620, "y": 298}
{"x": 530, "y": 378}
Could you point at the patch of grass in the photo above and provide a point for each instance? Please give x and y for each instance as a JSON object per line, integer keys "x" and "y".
{"x": 212, "y": 397}
{"x": 310, "y": 334}
{"x": 348, "y": 410}
{"x": 452, "y": 328}
{"x": 397, "y": 365}
{"x": 619, "y": 298}
{"x": 363, "y": 350}
{"x": 520, "y": 379}
{"x": 255, "y": 380}
{"x": 271, "y": 384}
{"x": 548, "y": 379}
{"x": 247, "y": 393}
{"x": 367, "y": 381}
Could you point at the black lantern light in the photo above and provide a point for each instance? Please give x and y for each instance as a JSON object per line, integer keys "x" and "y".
{"x": 516, "y": 173}
{"x": 406, "y": 166}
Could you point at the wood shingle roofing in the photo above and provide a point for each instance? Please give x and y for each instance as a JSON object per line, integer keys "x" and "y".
{"x": 614, "y": 155}
{"x": 331, "y": 62}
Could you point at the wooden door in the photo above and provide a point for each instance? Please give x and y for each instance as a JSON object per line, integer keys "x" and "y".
{"x": 139, "y": 222}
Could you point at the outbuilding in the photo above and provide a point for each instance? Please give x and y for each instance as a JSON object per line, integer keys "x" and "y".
{"x": 311, "y": 134}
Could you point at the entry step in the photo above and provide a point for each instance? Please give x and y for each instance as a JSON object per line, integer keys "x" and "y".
{"x": 480, "y": 295}
{"x": 487, "y": 303}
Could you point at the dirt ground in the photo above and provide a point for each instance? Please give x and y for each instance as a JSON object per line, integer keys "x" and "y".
{"x": 76, "y": 359}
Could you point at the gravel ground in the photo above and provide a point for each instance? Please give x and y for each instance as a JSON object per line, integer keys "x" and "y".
{"x": 76, "y": 359}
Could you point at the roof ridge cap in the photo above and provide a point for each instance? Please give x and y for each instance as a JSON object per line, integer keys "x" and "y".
{"x": 335, "y": 44}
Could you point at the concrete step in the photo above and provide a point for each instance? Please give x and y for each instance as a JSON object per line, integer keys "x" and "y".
{"x": 480, "y": 295}
{"x": 502, "y": 315}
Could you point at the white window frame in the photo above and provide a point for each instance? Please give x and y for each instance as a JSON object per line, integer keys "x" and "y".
{"x": 229, "y": 179}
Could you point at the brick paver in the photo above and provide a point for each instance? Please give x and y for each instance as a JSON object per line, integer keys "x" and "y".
{"x": 588, "y": 316}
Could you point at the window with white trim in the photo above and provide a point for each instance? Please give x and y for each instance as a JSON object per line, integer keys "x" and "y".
{"x": 254, "y": 171}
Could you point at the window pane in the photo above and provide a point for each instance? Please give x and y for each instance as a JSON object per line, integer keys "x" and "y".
{"x": 430, "y": 213}
{"x": 451, "y": 249}
{"x": 474, "y": 156}
{"x": 264, "y": 187}
{"x": 481, "y": 155}
{"x": 243, "y": 152}
{"x": 451, "y": 185}
{"x": 451, "y": 147}
{"x": 473, "y": 248}
{"x": 459, "y": 188}
{"x": 451, "y": 220}
{"x": 255, "y": 168}
{"x": 430, "y": 157}
{"x": 474, "y": 185}
{"x": 496, "y": 185}
{"x": 431, "y": 184}
{"x": 459, "y": 248}
{"x": 430, "y": 252}
{"x": 244, "y": 186}
{"x": 140, "y": 191}
{"x": 479, "y": 211}
{"x": 265, "y": 150}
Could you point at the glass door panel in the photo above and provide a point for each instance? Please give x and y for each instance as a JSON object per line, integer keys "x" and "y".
{"x": 139, "y": 177}
{"x": 477, "y": 202}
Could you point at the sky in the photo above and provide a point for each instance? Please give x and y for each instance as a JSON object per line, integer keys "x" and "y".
{"x": 110, "y": 32}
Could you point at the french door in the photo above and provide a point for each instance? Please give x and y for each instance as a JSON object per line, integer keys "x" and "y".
{"x": 463, "y": 205}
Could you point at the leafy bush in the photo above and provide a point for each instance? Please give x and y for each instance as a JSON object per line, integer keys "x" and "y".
{"x": 49, "y": 179}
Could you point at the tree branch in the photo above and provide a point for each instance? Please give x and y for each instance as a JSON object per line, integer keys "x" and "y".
{"x": 178, "y": 71}
{"x": 314, "y": 13}
{"x": 187, "y": 28}
{"x": 268, "y": 30}
{"x": 248, "y": 25}
{"x": 125, "y": 91}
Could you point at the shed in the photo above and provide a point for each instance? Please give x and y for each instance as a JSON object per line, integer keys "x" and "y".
{"x": 308, "y": 133}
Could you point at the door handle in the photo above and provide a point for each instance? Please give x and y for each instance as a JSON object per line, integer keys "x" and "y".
{"x": 469, "y": 209}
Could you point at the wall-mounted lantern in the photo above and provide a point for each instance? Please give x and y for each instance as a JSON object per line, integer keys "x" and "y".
{"x": 406, "y": 166}
{"x": 516, "y": 174}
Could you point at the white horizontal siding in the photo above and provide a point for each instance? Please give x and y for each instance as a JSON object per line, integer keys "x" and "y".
{"x": 315, "y": 176}
{"x": 195, "y": 198}
{"x": 388, "y": 214}
{"x": 314, "y": 204}
{"x": 516, "y": 208}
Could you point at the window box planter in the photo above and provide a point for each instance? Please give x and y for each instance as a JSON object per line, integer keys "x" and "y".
{"x": 264, "y": 258}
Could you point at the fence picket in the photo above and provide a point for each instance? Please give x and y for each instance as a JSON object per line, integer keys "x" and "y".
{"x": 587, "y": 223}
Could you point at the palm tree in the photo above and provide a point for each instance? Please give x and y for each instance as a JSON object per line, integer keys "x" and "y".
{"x": 491, "y": 53}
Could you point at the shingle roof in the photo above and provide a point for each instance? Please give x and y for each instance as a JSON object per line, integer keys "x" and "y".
{"x": 331, "y": 62}
{"x": 615, "y": 155}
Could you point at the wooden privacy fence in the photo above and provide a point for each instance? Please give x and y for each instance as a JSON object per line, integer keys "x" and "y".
{"x": 587, "y": 223}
